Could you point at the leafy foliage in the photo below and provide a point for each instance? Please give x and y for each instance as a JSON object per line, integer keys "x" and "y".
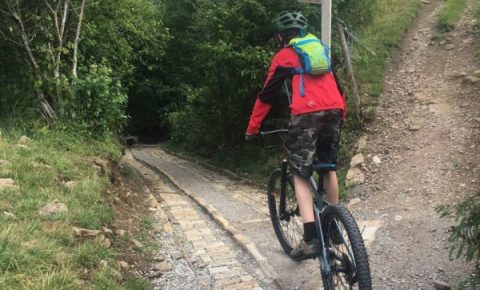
{"x": 108, "y": 39}
{"x": 465, "y": 236}
{"x": 97, "y": 102}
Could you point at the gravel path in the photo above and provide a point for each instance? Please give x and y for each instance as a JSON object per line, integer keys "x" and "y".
{"x": 426, "y": 137}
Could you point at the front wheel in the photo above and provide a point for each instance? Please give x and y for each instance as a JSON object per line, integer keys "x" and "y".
{"x": 286, "y": 222}
{"x": 347, "y": 253}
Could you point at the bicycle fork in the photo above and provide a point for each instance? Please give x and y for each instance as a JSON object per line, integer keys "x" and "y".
{"x": 283, "y": 184}
{"x": 324, "y": 259}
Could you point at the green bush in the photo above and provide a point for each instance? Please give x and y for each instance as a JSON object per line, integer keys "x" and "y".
{"x": 95, "y": 102}
{"x": 465, "y": 236}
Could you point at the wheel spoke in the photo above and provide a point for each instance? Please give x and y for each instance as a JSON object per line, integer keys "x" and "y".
{"x": 340, "y": 228}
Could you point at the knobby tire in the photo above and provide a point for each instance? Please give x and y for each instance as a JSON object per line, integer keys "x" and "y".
{"x": 286, "y": 237}
{"x": 360, "y": 272}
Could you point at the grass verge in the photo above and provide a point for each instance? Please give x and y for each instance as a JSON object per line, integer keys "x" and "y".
{"x": 39, "y": 251}
{"x": 450, "y": 14}
{"x": 390, "y": 21}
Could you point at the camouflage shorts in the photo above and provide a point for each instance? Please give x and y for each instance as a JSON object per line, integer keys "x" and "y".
{"x": 312, "y": 133}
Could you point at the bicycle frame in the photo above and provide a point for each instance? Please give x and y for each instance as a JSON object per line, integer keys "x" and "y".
{"x": 318, "y": 192}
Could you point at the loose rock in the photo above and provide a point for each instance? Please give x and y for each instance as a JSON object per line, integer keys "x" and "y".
{"x": 376, "y": 159}
{"x": 357, "y": 161}
{"x": 414, "y": 127}
{"x": 163, "y": 267}
{"x": 137, "y": 243}
{"x": 118, "y": 276}
{"x": 123, "y": 265}
{"x": 85, "y": 233}
{"x": 70, "y": 184}
{"x": 355, "y": 176}
{"x": 9, "y": 215}
{"x": 441, "y": 285}
{"x": 177, "y": 255}
{"x": 41, "y": 165}
{"x": 23, "y": 140}
{"x": 354, "y": 201}
{"x": 104, "y": 241}
{"x": 101, "y": 165}
{"x": 7, "y": 183}
{"x": 107, "y": 230}
{"x": 449, "y": 46}
{"x": 53, "y": 208}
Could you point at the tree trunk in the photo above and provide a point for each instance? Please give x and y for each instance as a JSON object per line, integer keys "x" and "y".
{"x": 77, "y": 40}
{"x": 47, "y": 111}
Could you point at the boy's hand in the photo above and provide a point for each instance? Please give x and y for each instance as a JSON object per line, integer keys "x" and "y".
{"x": 253, "y": 137}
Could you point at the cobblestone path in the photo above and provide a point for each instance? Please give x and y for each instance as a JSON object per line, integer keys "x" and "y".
{"x": 196, "y": 253}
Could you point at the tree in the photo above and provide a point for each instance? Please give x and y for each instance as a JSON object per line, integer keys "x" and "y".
{"x": 61, "y": 45}
{"x": 41, "y": 30}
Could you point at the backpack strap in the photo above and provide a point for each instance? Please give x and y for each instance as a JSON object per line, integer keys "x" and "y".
{"x": 301, "y": 72}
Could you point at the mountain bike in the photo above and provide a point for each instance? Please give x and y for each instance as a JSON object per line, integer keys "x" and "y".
{"x": 343, "y": 258}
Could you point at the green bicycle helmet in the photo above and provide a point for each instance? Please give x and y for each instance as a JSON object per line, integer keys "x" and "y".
{"x": 290, "y": 19}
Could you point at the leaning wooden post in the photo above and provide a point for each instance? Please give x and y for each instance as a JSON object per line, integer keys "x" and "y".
{"x": 349, "y": 70}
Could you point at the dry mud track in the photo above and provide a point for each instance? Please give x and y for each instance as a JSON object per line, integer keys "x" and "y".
{"x": 426, "y": 135}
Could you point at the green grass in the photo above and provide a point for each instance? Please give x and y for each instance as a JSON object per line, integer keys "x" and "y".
{"x": 391, "y": 20}
{"x": 39, "y": 252}
{"x": 450, "y": 14}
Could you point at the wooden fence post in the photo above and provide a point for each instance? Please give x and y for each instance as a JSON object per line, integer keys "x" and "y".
{"x": 349, "y": 70}
{"x": 327, "y": 22}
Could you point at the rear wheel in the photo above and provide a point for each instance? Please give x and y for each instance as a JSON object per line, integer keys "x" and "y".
{"x": 288, "y": 223}
{"x": 347, "y": 253}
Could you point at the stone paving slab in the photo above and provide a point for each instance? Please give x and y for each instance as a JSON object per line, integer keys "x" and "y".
{"x": 221, "y": 263}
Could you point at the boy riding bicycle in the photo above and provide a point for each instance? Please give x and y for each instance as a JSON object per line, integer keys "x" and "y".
{"x": 317, "y": 106}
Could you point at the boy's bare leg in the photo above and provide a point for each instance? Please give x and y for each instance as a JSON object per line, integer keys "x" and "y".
{"x": 304, "y": 198}
{"x": 330, "y": 184}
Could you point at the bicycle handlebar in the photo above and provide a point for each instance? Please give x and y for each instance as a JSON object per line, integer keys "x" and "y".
{"x": 265, "y": 133}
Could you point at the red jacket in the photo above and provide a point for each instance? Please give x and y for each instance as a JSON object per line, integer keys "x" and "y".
{"x": 321, "y": 92}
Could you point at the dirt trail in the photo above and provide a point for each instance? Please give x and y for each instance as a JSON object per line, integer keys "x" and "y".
{"x": 426, "y": 135}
